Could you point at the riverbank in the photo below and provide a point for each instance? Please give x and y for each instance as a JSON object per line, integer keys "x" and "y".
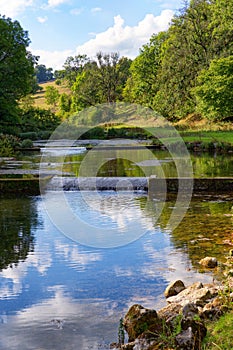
{"x": 192, "y": 319}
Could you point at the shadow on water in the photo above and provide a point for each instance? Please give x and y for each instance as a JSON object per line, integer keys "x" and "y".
{"x": 18, "y": 219}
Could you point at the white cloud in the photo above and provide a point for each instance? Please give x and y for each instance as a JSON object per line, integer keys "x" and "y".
{"x": 55, "y": 3}
{"x": 12, "y": 8}
{"x": 54, "y": 59}
{"x": 96, "y": 9}
{"x": 42, "y": 19}
{"x": 119, "y": 38}
{"x": 125, "y": 39}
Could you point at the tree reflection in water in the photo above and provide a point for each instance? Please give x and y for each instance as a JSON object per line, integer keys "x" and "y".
{"x": 18, "y": 217}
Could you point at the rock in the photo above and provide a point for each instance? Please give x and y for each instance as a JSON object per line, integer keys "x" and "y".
{"x": 174, "y": 288}
{"x": 139, "y": 319}
{"x": 128, "y": 346}
{"x": 196, "y": 294}
{"x": 184, "y": 314}
{"x": 196, "y": 329}
{"x": 214, "y": 309}
{"x": 169, "y": 312}
{"x": 191, "y": 335}
{"x": 185, "y": 339}
{"x": 190, "y": 310}
{"x": 209, "y": 262}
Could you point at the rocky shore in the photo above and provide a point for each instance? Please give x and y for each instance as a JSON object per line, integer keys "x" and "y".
{"x": 182, "y": 323}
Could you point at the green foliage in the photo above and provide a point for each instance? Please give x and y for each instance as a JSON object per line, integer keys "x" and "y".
{"x": 16, "y": 71}
{"x": 121, "y": 332}
{"x": 72, "y": 67}
{"x": 142, "y": 85}
{"x": 186, "y": 51}
{"x": 65, "y": 102}
{"x": 43, "y": 73}
{"x": 214, "y": 91}
{"x": 86, "y": 90}
{"x": 58, "y": 82}
{"x": 27, "y": 143}
{"x": 100, "y": 82}
{"x": 51, "y": 95}
{"x": 36, "y": 119}
{"x": 8, "y": 143}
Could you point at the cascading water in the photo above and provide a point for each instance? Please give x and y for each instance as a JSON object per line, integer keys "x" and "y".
{"x": 97, "y": 183}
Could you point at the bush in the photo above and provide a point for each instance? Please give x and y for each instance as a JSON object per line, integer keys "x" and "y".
{"x": 8, "y": 143}
{"x": 27, "y": 143}
{"x": 38, "y": 119}
{"x": 28, "y": 135}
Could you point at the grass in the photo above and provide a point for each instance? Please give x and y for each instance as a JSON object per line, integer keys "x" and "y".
{"x": 207, "y": 136}
{"x": 39, "y": 97}
{"x": 220, "y": 335}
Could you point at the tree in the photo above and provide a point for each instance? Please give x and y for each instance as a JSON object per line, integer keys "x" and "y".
{"x": 108, "y": 75}
{"x": 187, "y": 50}
{"x": 214, "y": 92}
{"x": 43, "y": 73}
{"x": 74, "y": 66}
{"x": 51, "y": 95}
{"x": 86, "y": 89}
{"x": 222, "y": 26}
{"x": 100, "y": 81}
{"x": 141, "y": 85}
{"x": 65, "y": 103}
{"x": 16, "y": 71}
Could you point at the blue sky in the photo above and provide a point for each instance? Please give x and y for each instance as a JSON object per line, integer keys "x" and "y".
{"x": 62, "y": 28}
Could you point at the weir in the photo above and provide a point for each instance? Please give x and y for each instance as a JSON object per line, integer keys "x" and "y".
{"x": 150, "y": 185}
{"x": 98, "y": 183}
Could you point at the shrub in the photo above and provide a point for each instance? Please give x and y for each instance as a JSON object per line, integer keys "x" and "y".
{"x": 27, "y": 143}
{"x": 8, "y": 143}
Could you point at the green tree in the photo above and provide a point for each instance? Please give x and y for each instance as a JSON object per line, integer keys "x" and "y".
{"x": 65, "y": 103}
{"x": 142, "y": 85}
{"x": 16, "y": 71}
{"x": 43, "y": 73}
{"x": 187, "y": 50}
{"x": 100, "y": 81}
{"x": 51, "y": 95}
{"x": 34, "y": 119}
{"x": 108, "y": 75}
{"x": 86, "y": 90}
{"x": 222, "y": 27}
{"x": 74, "y": 66}
{"x": 214, "y": 92}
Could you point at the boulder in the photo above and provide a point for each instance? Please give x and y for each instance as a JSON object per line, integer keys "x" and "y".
{"x": 169, "y": 312}
{"x": 196, "y": 294}
{"x": 139, "y": 319}
{"x": 190, "y": 310}
{"x": 192, "y": 334}
{"x": 209, "y": 262}
{"x": 174, "y": 288}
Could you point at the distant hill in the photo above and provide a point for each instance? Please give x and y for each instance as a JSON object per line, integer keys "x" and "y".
{"x": 39, "y": 97}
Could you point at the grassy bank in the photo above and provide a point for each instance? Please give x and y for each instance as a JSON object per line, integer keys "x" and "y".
{"x": 219, "y": 333}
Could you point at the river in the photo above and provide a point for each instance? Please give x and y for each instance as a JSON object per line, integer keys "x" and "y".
{"x": 59, "y": 292}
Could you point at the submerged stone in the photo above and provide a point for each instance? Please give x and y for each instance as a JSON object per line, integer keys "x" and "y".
{"x": 209, "y": 262}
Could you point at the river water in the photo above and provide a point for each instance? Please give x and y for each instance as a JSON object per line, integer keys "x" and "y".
{"x": 56, "y": 292}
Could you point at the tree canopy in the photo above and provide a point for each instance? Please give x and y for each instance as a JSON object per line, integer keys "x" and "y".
{"x": 16, "y": 70}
